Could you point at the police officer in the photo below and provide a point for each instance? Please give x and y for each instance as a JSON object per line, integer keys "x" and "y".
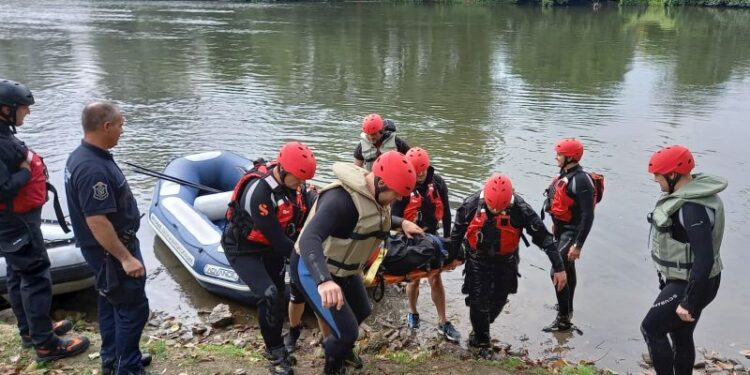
{"x": 265, "y": 215}
{"x": 377, "y": 138}
{"x": 490, "y": 224}
{"x": 347, "y": 223}
{"x": 105, "y": 220}
{"x": 687, "y": 227}
{"x": 23, "y": 192}
{"x": 570, "y": 201}
{"x": 427, "y": 206}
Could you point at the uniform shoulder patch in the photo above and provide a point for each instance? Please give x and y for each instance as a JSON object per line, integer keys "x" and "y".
{"x": 101, "y": 192}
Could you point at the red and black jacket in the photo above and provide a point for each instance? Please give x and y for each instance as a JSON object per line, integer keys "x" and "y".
{"x": 571, "y": 198}
{"x": 427, "y": 205}
{"x": 23, "y": 192}
{"x": 264, "y": 215}
{"x": 479, "y": 231}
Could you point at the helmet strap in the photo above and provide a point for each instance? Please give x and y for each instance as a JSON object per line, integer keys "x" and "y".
{"x": 672, "y": 181}
{"x": 568, "y": 162}
{"x": 11, "y": 118}
{"x": 378, "y": 189}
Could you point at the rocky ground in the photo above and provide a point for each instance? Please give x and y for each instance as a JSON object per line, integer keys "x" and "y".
{"x": 227, "y": 342}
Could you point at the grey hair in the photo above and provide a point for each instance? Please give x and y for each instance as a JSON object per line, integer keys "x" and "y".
{"x": 95, "y": 114}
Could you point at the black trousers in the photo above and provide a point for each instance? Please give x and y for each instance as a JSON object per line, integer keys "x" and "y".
{"x": 565, "y": 296}
{"x": 264, "y": 274}
{"x": 662, "y": 324}
{"x": 29, "y": 283}
{"x": 488, "y": 281}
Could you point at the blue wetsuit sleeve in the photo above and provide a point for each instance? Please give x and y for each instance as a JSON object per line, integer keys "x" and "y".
{"x": 335, "y": 216}
{"x": 694, "y": 218}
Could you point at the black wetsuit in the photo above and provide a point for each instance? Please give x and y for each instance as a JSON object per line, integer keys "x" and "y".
{"x": 693, "y": 225}
{"x": 581, "y": 190}
{"x": 262, "y": 266}
{"x": 490, "y": 277}
{"x": 336, "y": 216}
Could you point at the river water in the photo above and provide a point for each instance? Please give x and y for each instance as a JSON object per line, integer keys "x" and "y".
{"x": 483, "y": 88}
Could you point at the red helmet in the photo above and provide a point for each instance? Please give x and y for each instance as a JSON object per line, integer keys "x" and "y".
{"x": 677, "y": 159}
{"x": 372, "y": 124}
{"x": 297, "y": 159}
{"x": 396, "y": 171}
{"x": 419, "y": 158}
{"x": 498, "y": 192}
{"x": 570, "y": 147}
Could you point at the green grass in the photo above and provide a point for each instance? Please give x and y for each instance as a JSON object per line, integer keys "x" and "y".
{"x": 157, "y": 348}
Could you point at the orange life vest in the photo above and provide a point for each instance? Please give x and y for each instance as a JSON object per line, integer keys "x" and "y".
{"x": 413, "y": 210}
{"x": 509, "y": 235}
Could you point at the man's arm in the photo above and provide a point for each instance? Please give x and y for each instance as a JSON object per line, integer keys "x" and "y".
{"x": 359, "y": 159}
{"x": 584, "y": 195}
{"x": 335, "y": 215}
{"x": 11, "y": 183}
{"x": 105, "y": 234}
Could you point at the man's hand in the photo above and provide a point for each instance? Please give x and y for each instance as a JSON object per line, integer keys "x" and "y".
{"x": 684, "y": 314}
{"x": 559, "y": 279}
{"x": 574, "y": 253}
{"x": 25, "y": 164}
{"x": 410, "y": 229}
{"x": 331, "y": 295}
{"x": 133, "y": 267}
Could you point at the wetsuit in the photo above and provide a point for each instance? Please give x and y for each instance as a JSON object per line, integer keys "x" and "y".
{"x": 336, "y": 216}
{"x": 692, "y": 224}
{"x": 489, "y": 276}
{"x": 262, "y": 266}
{"x": 581, "y": 190}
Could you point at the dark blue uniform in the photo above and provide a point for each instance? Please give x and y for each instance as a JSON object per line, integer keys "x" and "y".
{"x": 95, "y": 185}
{"x": 21, "y": 243}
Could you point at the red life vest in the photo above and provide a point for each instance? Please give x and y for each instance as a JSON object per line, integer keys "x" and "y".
{"x": 288, "y": 213}
{"x": 560, "y": 205}
{"x": 34, "y": 194}
{"x": 509, "y": 235}
{"x": 413, "y": 212}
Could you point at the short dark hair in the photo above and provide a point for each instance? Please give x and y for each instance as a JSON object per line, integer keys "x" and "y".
{"x": 97, "y": 113}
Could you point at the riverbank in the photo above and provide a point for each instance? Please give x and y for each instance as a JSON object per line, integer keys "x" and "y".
{"x": 222, "y": 343}
{"x": 210, "y": 347}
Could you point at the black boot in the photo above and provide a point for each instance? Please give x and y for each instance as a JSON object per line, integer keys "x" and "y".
{"x": 290, "y": 339}
{"x": 353, "y": 360}
{"x": 560, "y": 324}
{"x": 280, "y": 362}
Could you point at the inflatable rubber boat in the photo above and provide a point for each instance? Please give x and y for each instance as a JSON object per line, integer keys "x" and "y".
{"x": 69, "y": 271}
{"x": 190, "y": 220}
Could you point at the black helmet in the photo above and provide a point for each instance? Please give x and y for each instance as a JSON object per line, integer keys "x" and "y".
{"x": 14, "y": 94}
